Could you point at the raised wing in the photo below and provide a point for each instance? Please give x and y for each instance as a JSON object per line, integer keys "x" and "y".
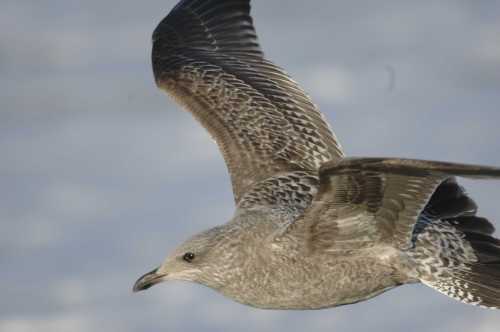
{"x": 364, "y": 202}
{"x": 206, "y": 55}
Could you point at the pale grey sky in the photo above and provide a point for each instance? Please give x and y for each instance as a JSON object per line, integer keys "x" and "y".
{"x": 102, "y": 174}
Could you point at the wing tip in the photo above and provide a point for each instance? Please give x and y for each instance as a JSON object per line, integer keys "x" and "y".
{"x": 215, "y": 25}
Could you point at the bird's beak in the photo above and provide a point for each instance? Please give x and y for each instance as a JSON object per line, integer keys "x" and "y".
{"x": 148, "y": 280}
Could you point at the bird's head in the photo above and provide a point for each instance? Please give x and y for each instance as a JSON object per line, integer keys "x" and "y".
{"x": 199, "y": 259}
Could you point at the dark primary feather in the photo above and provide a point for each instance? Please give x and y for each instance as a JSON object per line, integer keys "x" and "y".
{"x": 474, "y": 224}
{"x": 450, "y": 200}
{"x": 224, "y": 26}
{"x": 206, "y": 55}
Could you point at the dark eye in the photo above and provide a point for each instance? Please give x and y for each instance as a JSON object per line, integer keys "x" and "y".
{"x": 188, "y": 257}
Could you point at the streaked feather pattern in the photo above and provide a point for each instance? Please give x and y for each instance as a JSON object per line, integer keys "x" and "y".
{"x": 206, "y": 55}
{"x": 400, "y": 220}
{"x": 362, "y": 202}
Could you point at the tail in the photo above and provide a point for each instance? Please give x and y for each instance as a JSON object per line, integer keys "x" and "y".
{"x": 455, "y": 250}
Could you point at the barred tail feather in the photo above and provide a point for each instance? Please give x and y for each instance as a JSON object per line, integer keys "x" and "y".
{"x": 477, "y": 285}
{"x": 455, "y": 249}
{"x": 473, "y": 278}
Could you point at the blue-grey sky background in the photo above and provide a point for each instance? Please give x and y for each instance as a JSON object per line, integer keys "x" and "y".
{"x": 102, "y": 175}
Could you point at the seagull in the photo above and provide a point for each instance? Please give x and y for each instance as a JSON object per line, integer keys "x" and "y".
{"x": 312, "y": 228}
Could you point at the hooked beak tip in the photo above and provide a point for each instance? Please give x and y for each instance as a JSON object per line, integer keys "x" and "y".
{"x": 147, "y": 281}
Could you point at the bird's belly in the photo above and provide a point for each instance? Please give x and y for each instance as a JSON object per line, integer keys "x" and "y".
{"x": 314, "y": 285}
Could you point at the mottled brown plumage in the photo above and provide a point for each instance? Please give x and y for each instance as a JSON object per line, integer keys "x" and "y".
{"x": 312, "y": 229}
{"x": 362, "y": 202}
{"x": 206, "y": 55}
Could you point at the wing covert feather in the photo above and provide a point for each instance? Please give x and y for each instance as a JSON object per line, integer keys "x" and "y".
{"x": 363, "y": 202}
{"x": 206, "y": 55}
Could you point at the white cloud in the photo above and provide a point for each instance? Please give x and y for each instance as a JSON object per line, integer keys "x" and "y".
{"x": 489, "y": 47}
{"x": 71, "y": 292}
{"x": 73, "y": 323}
{"x": 329, "y": 83}
{"x": 489, "y": 324}
{"x": 69, "y": 199}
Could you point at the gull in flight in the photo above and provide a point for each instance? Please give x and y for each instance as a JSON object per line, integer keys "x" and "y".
{"x": 312, "y": 228}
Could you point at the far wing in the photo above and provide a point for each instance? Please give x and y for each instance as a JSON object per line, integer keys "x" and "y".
{"x": 367, "y": 201}
{"x": 206, "y": 55}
